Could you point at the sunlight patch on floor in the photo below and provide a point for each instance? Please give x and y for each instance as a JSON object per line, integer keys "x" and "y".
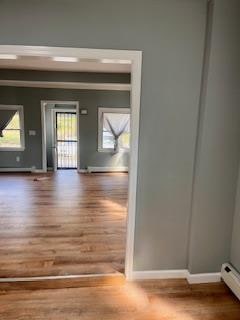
{"x": 116, "y": 208}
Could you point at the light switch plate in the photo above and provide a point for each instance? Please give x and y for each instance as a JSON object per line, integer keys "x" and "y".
{"x": 83, "y": 111}
{"x": 32, "y": 132}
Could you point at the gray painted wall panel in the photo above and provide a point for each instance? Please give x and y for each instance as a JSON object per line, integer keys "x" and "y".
{"x": 218, "y": 156}
{"x": 235, "y": 248}
{"x": 171, "y": 35}
{"x": 8, "y": 74}
{"x": 31, "y": 98}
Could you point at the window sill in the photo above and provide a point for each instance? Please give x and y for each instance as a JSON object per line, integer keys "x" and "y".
{"x": 12, "y": 149}
{"x": 112, "y": 150}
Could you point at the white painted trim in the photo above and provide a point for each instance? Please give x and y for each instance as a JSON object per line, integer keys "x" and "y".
{"x": 159, "y": 274}
{"x": 136, "y": 59}
{"x": 78, "y": 136}
{"x": 32, "y": 169}
{"x": 38, "y": 171}
{"x": 53, "y": 124}
{"x": 83, "y": 171}
{"x": 107, "y": 169}
{"x": 136, "y": 71}
{"x": 16, "y": 169}
{"x": 18, "y": 108}
{"x": 44, "y": 139}
{"x": 67, "y": 277}
{"x": 81, "y": 53}
{"x": 111, "y": 151}
{"x": 231, "y": 278}
{"x": 203, "y": 277}
{"x": 67, "y": 85}
{"x": 177, "y": 274}
{"x": 114, "y": 110}
{"x": 12, "y": 149}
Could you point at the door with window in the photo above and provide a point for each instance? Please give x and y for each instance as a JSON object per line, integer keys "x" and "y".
{"x": 66, "y": 140}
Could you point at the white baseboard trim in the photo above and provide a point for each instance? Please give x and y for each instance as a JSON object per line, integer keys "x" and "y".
{"x": 90, "y": 169}
{"x": 38, "y": 171}
{"x": 159, "y": 274}
{"x": 107, "y": 169}
{"x": 15, "y": 169}
{"x": 203, "y": 277}
{"x": 83, "y": 171}
{"x": 33, "y": 170}
{"x": 177, "y": 274}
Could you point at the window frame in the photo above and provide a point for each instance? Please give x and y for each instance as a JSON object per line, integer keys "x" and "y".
{"x": 101, "y": 111}
{"x": 18, "y": 108}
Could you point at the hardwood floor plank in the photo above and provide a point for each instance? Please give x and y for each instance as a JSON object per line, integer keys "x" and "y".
{"x": 144, "y": 300}
{"x": 69, "y": 223}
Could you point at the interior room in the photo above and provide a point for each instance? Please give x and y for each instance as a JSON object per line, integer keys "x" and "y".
{"x": 66, "y": 136}
{"x": 119, "y": 160}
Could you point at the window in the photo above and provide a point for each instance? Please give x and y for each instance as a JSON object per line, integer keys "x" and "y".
{"x": 113, "y": 129}
{"x": 11, "y": 128}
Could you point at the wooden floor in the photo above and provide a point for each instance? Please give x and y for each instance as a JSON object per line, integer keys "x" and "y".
{"x": 66, "y": 224}
{"x": 149, "y": 300}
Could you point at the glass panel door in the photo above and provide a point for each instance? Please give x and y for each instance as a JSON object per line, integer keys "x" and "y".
{"x": 66, "y": 140}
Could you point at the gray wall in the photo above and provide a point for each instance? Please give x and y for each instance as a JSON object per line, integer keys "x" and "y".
{"x": 171, "y": 35}
{"x": 12, "y": 74}
{"x": 235, "y": 248}
{"x": 218, "y": 145}
{"x": 31, "y": 98}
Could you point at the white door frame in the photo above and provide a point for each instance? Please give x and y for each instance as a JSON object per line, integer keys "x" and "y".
{"x": 54, "y": 136}
{"x": 136, "y": 63}
{"x": 44, "y": 103}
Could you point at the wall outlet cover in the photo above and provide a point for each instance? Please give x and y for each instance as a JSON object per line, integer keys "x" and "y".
{"x": 32, "y": 132}
{"x": 83, "y": 111}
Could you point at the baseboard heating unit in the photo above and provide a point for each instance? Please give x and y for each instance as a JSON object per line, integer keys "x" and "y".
{"x": 232, "y": 278}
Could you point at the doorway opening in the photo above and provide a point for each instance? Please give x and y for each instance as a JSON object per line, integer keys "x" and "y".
{"x": 61, "y": 126}
{"x": 100, "y": 209}
{"x": 66, "y": 139}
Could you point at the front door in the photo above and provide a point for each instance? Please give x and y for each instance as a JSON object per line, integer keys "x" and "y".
{"x": 66, "y": 140}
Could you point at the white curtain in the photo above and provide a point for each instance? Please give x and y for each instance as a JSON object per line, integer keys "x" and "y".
{"x": 5, "y": 117}
{"x": 116, "y": 124}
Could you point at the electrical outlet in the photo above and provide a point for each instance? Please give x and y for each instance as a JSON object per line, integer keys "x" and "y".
{"x": 17, "y": 158}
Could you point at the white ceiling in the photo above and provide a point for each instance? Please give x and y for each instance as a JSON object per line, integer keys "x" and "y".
{"x": 47, "y": 64}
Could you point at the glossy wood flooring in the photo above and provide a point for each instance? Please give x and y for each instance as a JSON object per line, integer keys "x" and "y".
{"x": 66, "y": 224}
{"x": 149, "y": 300}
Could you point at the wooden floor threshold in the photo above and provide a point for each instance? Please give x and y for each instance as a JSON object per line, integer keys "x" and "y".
{"x": 60, "y": 282}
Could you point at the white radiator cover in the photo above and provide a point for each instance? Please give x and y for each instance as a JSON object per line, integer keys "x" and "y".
{"x": 232, "y": 278}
